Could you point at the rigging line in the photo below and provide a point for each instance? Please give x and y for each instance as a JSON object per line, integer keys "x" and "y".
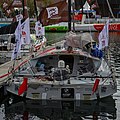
{"x": 110, "y": 9}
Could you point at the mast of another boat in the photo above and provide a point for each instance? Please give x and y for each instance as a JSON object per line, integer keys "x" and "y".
{"x": 83, "y": 20}
{"x": 25, "y": 9}
{"x": 69, "y": 15}
{"x": 84, "y": 17}
{"x": 110, "y": 9}
{"x": 35, "y": 7}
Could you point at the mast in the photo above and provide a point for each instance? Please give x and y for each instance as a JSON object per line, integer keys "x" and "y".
{"x": 69, "y": 15}
{"x": 110, "y": 9}
{"x": 23, "y": 6}
{"x": 35, "y": 7}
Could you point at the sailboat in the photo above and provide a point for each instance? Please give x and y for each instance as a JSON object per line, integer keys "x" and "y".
{"x": 71, "y": 69}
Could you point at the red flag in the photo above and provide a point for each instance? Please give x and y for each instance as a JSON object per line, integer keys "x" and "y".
{"x": 95, "y": 87}
{"x": 23, "y": 87}
{"x": 78, "y": 17}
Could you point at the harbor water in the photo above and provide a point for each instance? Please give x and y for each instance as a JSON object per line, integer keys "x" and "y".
{"x": 14, "y": 108}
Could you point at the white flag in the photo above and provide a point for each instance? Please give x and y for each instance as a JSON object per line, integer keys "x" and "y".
{"x": 17, "y": 47}
{"x": 26, "y": 31}
{"x": 104, "y": 36}
{"x": 39, "y": 29}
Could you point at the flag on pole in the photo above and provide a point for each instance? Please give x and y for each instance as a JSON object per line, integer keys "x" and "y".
{"x": 54, "y": 13}
{"x": 23, "y": 87}
{"x": 40, "y": 31}
{"x": 25, "y": 26}
{"x": 104, "y": 36}
{"x": 17, "y": 47}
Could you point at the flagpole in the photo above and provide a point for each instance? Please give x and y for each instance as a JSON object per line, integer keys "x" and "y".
{"x": 35, "y": 7}
{"x": 25, "y": 12}
{"x": 23, "y": 7}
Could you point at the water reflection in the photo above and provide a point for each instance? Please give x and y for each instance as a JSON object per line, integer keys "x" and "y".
{"x": 59, "y": 110}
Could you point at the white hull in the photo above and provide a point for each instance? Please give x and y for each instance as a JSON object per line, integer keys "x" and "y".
{"x": 62, "y": 91}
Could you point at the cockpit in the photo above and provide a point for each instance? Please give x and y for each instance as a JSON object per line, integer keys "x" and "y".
{"x": 60, "y": 67}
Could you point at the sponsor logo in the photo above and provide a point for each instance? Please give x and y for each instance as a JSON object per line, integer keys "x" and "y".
{"x": 52, "y": 11}
{"x": 112, "y": 27}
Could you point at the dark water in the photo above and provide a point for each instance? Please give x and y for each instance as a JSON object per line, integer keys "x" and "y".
{"x": 12, "y": 108}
